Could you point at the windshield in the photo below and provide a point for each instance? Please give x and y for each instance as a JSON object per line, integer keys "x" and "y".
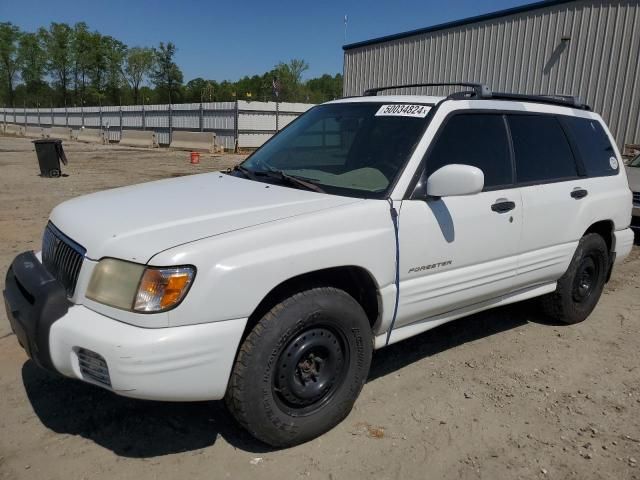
{"x": 635, "y": 162}
{"x": 352, "y": 149}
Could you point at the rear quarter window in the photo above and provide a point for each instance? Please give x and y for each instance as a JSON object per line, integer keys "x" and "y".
{"x": 593, "y": 145}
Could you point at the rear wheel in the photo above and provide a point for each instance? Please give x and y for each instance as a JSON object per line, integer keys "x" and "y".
{"x": 579, "y": 289}
{"x": 301, "y": 368}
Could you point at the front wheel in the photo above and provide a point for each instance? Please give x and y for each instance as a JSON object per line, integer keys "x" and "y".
{"x": 301, "y": 368}
{"x": 579, "y": 289}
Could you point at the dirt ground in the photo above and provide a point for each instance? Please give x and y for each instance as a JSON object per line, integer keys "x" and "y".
{"x": 501, "y": 395}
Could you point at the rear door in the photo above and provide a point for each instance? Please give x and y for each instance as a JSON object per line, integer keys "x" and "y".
{"x": 552, "y": 188}
{"x": 459, "y": 251}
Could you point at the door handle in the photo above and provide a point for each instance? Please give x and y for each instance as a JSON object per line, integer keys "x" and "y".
{"x": 503, "y": 205}
{"x": 579, "y": 193}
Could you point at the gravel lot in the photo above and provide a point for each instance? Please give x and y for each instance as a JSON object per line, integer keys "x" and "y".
{"x": 503, "y": 394}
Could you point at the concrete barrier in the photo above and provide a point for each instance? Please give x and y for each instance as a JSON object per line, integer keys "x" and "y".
{"x": 63, "y": 133}
{"x": 139, "y": 138}
{"x": 90, "y": 135}
{"x": 202, "y": 141}
{"x": 34, "y": 132}
{"x": 14, "y": 129}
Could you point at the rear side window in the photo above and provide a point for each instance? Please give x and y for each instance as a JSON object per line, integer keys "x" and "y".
{"x": 541, "y": 148}
{"x": 479, "y": 140}
{"x": 594, "y": 147}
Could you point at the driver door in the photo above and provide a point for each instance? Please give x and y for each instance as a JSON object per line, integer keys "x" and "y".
{"x": 460, "y": 251}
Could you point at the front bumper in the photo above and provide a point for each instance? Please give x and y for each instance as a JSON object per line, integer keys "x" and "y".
{"x": 176, "y": 364}
{"x": 34, "y": 300}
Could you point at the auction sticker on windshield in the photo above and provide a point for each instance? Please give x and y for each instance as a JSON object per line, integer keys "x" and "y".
{"x": 403, "y": 110}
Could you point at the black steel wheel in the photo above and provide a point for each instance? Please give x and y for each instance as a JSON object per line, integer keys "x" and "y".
{"x": 586, "y": 278}
{"x": 301, "y": 368}
{"x": 310, "y": 370}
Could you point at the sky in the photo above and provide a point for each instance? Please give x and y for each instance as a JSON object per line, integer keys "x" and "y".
{"x": 226, "y": 40}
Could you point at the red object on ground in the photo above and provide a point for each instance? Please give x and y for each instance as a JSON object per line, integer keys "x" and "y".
{"x": 195, "y": 157}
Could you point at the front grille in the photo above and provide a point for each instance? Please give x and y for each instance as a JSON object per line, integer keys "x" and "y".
{"x": 93, "y": 366}
{"x": 636, "y": 198}
{"x": 62, "y": 257}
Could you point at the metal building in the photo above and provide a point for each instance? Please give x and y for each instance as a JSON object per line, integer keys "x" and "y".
{"x": 589, "y": 48}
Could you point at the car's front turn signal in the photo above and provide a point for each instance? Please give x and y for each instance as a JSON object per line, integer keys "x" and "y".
{"x": 162, "y": 288}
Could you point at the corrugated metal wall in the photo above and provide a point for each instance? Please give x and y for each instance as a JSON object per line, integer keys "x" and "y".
{"x": 524, "y": 53}
{"x": 256, "y": 120}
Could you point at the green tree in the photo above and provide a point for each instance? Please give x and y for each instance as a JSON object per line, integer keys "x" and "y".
{"x": 147, "y": 95}
{"x": 138, "y": 63}
{"x": 297, "y": 67}
{"x": 33, "y": 63}
{"x": 9, "y": 62}
{"x": 57, "y": 41}
{"x": 166, "y": 75}
{"x": 97, "y": 67}
{"x": 324, "y": 88}
{"x": 226, "y": 91}
{"x": 115, "y": 52}
{"x": 81, "y": 53}
{"x": 289, "y": 76}
{"x": 32, "y": 58}
{"x": 200, "y": 90}
{"x": 251, "y": 88}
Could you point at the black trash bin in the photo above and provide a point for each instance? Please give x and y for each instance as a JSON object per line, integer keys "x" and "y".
{"x": 50, "y": 152}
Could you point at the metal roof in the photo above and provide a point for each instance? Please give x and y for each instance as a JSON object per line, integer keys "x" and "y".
{"x": 457, "y": 23}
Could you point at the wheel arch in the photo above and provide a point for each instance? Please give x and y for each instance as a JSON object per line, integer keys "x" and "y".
{"x": 354, "y": 280}
{"x": 606, "y": 229}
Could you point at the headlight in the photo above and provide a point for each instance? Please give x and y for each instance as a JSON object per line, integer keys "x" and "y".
{"x": 135, "y": 287}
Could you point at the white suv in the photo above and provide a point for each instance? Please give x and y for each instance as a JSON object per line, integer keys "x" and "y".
{"x": 366, "y": 221}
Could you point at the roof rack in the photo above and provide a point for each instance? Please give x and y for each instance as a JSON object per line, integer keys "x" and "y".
{"x": 482, "y": 92}
{"x": 479, "y": 90}
{"x": 565, "y": 100}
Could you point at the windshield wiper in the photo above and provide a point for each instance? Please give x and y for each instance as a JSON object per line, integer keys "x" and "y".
{"x": 294, "y": 180}
{"x": 280, "y": 175}
{"x": 250, "y": 174}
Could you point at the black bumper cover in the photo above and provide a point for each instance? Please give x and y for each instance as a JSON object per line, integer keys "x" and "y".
{"x": 34, "y": 301}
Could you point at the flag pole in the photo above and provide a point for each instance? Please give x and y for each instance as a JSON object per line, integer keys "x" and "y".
{"x": 345, "y": 28}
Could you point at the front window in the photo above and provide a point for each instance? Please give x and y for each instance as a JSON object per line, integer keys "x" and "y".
{"x": 635, "y": 162}
{"x": 475, "y": 139}
{"x": 352, "y": 149}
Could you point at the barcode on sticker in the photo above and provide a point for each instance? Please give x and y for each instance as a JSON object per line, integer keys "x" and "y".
{"x": 403, "y": 110}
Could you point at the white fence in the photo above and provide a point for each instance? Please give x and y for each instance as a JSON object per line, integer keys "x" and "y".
{"x": 241, "y": 123}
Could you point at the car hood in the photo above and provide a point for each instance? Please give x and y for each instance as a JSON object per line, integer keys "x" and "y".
{"x": 633, "y": 175}
{"x": 135, "y": 223}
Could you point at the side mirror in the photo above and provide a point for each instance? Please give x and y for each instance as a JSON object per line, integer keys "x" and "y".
{"x": 455, "y": 179}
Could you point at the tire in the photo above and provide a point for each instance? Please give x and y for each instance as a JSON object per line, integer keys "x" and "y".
{"x": 579, "y": 289}
{"x": 327, "y": 335}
